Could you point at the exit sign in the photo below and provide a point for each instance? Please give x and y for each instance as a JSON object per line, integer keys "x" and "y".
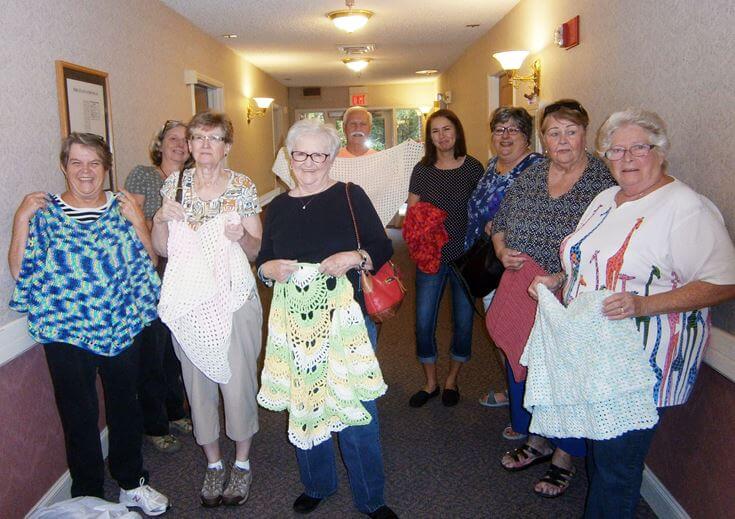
{"x": 358, "y": 100}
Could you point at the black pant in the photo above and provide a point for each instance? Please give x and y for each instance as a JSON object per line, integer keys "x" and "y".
{"x": 160, "y": 389}
{"x": 74, "y": 374}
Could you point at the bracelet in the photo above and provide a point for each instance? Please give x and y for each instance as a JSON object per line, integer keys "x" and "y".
{"x": 265, "y": 280}
{"x": 365, "y": 257}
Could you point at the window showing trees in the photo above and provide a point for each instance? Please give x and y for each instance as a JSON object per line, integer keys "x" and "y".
{"x": 408, "y": 124}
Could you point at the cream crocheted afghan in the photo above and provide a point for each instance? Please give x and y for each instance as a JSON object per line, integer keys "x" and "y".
{"x": 207, "y": 279}
{"x": 384, "y": 175}
{"x": 319, "y": 363}
{"x": 588, "y": 376}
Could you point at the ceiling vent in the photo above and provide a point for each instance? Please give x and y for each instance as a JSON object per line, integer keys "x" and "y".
{"x": 356, "y": 49}
{"x": 311, "y": 91}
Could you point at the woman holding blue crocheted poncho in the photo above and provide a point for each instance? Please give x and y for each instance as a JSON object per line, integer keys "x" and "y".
{"x": 83, "y": 261}
{"x": 320, "y": 363}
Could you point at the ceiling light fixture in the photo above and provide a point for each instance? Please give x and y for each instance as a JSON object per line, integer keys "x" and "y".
{"x": 229, "y": 36}
{"x": 356, "y": 64}
{"x": 427, "y": 72}
{"x": 350, "y": 20}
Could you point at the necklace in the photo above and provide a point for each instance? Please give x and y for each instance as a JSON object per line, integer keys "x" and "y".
{"x": 304, "y": 205}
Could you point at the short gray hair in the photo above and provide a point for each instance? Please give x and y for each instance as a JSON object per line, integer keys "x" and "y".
{"x": 355, "y": 109}
{"x": 313, "y": 127}
{"x": 513, "y": 113}
{"x": 650, "y": 122}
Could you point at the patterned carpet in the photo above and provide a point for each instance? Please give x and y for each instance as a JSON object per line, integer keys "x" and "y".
{"x": 440, "y": 462}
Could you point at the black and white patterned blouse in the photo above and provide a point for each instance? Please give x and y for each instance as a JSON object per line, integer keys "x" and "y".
{"x": 535, "y": 223}
{"x": 449, "y": 189}
{"x": 146, "y": 181}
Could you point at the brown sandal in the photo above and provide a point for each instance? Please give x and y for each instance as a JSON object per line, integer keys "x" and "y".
{"x": 558, "y": 477}
{"x": 528, "y": 455}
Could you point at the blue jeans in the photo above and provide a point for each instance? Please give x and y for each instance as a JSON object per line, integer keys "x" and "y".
{"x": 520, "y": 419}
{"x": 361, "y": 453}
{"x": 429, "y": 290}
{"x": 615, "y": 472}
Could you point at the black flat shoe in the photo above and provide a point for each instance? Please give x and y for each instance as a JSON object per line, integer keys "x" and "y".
{"x": 383, "y": 513}
{"x": 306, "y": 504}
{"x": 450, "y": 397}
{"x": 420, "y": 398}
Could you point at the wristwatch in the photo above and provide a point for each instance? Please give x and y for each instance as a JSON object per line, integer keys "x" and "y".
{"x": 365, "y": 258}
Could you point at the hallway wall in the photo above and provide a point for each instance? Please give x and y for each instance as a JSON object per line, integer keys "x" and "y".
{"x": 395, "y": 95}
{"x": 145, "y": 48}
{"x": 667, "y": 56}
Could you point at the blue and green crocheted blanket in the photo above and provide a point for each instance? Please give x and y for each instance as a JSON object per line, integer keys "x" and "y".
{"x": 87, "y": 284}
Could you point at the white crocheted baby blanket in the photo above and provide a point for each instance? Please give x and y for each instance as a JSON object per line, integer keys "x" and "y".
{"x": 588, "y": 376}
{"x": 207, "y": 279}
{"x": 319, "y": 363}
{"x": 384, "y": 175}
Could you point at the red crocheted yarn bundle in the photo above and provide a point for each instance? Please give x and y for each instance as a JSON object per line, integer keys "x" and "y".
{"x": 425, "y": 235}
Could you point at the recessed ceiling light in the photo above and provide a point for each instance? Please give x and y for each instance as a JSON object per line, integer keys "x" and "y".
{"x": 427, "y": 72}
{"x": 229, "y": 36}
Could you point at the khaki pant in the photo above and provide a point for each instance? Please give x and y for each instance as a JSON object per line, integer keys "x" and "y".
{"x": 241, "y": 408}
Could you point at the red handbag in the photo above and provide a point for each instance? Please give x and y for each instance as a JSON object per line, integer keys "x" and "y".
{"x": 383, "y": 291}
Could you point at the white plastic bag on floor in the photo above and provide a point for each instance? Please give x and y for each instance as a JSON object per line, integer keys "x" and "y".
{"x": 84, "y": 508}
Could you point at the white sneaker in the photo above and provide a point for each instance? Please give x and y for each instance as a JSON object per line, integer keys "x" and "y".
{"x": 145, "y": 497}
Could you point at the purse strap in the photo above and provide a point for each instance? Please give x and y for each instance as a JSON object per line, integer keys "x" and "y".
{"x": 352, "y": 214}
{"x": 179, "y": 196}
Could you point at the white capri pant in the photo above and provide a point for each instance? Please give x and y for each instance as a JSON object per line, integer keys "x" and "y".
{"x": 241, "y": 408}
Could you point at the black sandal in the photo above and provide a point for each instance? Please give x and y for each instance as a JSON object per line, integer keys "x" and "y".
{"x": 526, "y": 452}
{"x": 558, "y": 477}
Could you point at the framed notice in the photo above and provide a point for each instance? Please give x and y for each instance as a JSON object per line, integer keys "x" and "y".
{"x": 84, "y": 104}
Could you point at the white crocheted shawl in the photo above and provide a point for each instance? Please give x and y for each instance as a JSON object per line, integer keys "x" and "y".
{"x": 207, "y": 279}
{"x": 588, "y": 376}
{"x": 384, "y": 175}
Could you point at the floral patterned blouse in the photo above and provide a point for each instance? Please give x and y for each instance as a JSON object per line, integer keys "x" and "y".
{"x": 240, "y": 196}
{"x": 485, "y": 201}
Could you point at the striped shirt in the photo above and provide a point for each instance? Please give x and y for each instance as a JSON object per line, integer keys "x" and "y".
{"x": 84, "y": 214}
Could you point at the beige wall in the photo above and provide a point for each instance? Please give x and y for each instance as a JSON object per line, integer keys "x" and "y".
{"x": 145, "y": 48}
{"x": 396, "y": 95}
{"x": 668, "y": 56}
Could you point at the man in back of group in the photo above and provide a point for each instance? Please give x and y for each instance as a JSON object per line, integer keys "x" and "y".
{"x": 356, "y": 123}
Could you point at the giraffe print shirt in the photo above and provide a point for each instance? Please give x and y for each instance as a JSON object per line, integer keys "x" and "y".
{"x": 662, "y": 241}
{"x": 536, "y": 223}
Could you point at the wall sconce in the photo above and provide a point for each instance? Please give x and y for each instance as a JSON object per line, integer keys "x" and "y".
{"x": 262, "y": 104}
{"x": 512, "y": 61}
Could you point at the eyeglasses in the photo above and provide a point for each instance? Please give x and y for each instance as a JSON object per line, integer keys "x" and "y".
{"x": 316, "y": 158}
{"x": 637, "y": 150}
{"x": 212, "y": 139}
{"x": 500, "y": 130}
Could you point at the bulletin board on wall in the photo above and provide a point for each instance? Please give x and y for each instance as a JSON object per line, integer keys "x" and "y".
{"x": 84, "y": 105}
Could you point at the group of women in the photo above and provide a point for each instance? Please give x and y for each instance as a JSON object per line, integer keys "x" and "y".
{"x": 615, "y": 222}
{"x": 84, "y": 264}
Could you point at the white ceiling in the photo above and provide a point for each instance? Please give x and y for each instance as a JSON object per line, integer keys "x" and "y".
{"x": 294, "y": 42}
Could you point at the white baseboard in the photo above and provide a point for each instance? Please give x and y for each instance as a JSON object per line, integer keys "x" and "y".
{"x": 659, "y": 498}
{"x": 15, "y": 340}
{"x": 61, "y": 490}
